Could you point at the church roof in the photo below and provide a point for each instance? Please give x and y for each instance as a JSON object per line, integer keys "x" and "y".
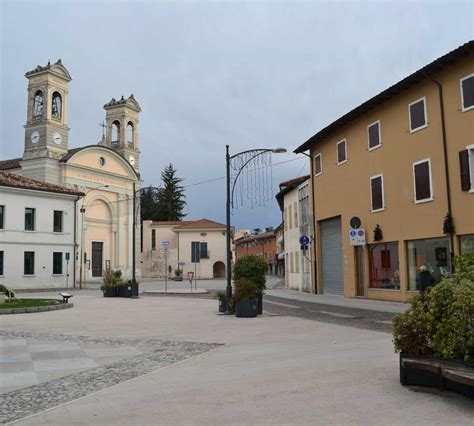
{"x": 14, "y": 163}
{"x": 130, "y": 102}
{"x": 57, "y": 68}
{"x": 16, "y": 181}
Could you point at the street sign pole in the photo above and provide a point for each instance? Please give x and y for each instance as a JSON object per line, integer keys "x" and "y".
{"x": 166, "y": 271}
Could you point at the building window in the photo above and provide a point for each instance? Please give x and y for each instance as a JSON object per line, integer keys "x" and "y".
{"x": 295, "y": 212}
{"x": 38, "y": 104}
{"x": 58, "y": 221}
{"x": 467, "y": 244}
{"x": 433, "y": 253}
{"x": 417, "y": 115}
{"x": 466, "y": 164}
{"x": 342, "y": 152}
{"x": 373, "y": 133}
{"x": 1, "y": 262}
{"x": 153, "y": 239}
{"x": 318, "y": 165}
{"x": 57, "y": 263}
{"x": 130, "y": 133}
{"x": 422, "y": 181}
{"x": 116, "y": 131}
{"x": 29, "y": 263}
{"x": 29, "y": 219}
{"x": 2, "y": 217}
{"x": 384, "y": 266}
{"x": 467, "y": 92}
{"x": 56, "y": 106}
{"x": 203, "y": 251}
{"x": 290, "y": 217}
{"x": 377, "y": 193}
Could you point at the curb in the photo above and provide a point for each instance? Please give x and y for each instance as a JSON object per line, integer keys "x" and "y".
{"x": 34, "y": 309}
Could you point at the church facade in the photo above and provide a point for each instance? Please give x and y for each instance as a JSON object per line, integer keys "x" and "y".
{"x": 107, "y": 172}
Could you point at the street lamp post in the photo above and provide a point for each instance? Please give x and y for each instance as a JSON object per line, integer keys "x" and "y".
{"x": 230, "y": 196}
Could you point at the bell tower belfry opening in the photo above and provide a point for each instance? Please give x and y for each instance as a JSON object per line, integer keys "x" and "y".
{"x": 46, "y": 129}
{"x": 121, "y": 124}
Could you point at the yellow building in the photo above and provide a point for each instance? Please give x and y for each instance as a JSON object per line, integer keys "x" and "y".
{"x": 106, "y": 172}
{"x": 396, "y": 165}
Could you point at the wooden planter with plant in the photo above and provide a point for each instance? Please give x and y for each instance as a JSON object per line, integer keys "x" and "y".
{"x": 112, "y": 283}
{"x": 254, "y": 268}
{"x": 435, "y": 336}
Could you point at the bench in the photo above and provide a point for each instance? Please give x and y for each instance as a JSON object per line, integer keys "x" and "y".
{"x": 65, "y": 296}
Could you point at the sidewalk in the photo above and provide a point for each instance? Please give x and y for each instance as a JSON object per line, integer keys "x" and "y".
{"x": 323, "y": 299}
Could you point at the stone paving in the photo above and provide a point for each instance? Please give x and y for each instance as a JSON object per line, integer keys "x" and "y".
{"x": 149, "y": 355}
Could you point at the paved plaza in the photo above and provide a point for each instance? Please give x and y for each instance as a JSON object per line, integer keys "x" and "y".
{"x": 171, "y": 360}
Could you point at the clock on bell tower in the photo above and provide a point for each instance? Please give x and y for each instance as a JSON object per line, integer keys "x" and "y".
{"x": 46, "y": 129}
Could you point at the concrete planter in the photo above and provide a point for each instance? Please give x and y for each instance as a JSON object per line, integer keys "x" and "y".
{"x": 453, "y": 375}
{"x": 109, "y": 292}
{"x": 246, "y": 308}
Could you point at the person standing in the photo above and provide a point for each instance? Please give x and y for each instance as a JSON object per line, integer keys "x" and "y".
{"x": 426, "y": 279}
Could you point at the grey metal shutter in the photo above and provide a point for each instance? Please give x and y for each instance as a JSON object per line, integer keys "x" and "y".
{"x": 331, "y": 251}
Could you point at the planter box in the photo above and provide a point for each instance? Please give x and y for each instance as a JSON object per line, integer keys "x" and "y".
{"x": 222, "y": 305}
{"x": 246, "y": 308}
{"x": 260, "y": 304}
{"x": 109, "y": 292}
{"x": 453, "y": 375}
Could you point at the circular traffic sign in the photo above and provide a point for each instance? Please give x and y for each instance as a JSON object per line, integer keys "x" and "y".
{"x": 355, "y": 222}
{"x": 304, "y": 240}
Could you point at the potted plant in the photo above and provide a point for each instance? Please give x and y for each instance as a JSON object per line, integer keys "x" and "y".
{"x": 178, "y": 274}
{"x": 435, "y": 336}
{"x": 112, "y": 285}
{"x": 245, "y": 296}
{"x": 221, "y": 296}
{"x": 253, "y": 268}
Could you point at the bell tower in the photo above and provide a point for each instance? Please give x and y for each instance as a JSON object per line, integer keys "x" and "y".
{"x": 46, "y": 129}
{"x": 121, "y": 123}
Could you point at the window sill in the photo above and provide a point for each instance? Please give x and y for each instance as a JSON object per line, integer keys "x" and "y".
{"x": 57, "y": 275}
{"x": 342, "y": 162}
{"x": 378, "y": 210}
{"x": 469, "y": 108}
{"x": 29, "y": 230}
{"x": 471, "y": 191}
{"x": 318, "y": 174}
{"x": 419, "y": 128}
{"x": 58, "y": 232}
{"x": 29, "y": 275}
{"x": 384, "y": 289}
{"x": 426, "y": 200}
{"x": 375, "y": 147}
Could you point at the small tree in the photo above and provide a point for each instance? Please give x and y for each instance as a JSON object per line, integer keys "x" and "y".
{"x": 171, "y": 198}
{"x": 253, "y": 268}
{"x": 149, "y": 204}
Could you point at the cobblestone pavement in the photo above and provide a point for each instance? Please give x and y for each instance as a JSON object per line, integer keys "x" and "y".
{"x": 24, "y": 402}
{"x": 341, "y": 315}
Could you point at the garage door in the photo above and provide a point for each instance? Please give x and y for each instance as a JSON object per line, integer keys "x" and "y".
{"x": 331, "y": 251}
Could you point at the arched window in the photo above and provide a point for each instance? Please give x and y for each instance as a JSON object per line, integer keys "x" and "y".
{"x": 56, "y": 106}
{"x": 115, "y": 131}
{"x": 130, "y": 138}
{"x": 38, "y": 104}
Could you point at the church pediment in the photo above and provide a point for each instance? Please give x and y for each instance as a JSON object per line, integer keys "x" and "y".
{"x": 102, "y": 159}
{"x": 57, "y": 68}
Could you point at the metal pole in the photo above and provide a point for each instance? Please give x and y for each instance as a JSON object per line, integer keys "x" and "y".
{"x": 133, "y": 236}
{"x": 166, "y": 269}
{"x": 228, "y": 241}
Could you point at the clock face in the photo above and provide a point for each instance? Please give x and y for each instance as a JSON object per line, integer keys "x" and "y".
{"x": 131, "y": 160}
{"x": 35, "y": 137}
{"x": 57, "y": 138}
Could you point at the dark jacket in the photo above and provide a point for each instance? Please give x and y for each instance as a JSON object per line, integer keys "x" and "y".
{"x": 426, "y": 280}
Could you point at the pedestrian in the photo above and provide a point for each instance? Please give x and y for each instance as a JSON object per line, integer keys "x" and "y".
{"x": 426, "y": 279}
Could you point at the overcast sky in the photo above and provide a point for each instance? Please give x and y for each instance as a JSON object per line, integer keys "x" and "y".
{"x": 207, "y": 74}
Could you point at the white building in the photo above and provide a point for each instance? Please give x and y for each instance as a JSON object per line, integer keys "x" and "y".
{"x": 167, "y": 246}
{"x": 295, "y": 203}
{"x": 37, "y": 231}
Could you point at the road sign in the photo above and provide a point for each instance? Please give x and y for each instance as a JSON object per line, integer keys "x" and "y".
{"x": 304, "y": 240}
{"x": 190, "y": 276}
{"x": 165, "y": 244}
{"x": 165, "y": 253}
{"x": 357, "y": 237}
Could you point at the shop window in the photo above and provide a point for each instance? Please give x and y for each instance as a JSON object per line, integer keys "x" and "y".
{"x": 373, "y": 131}
{"x": 384, "y": 266}
{"x": 417, "y": 115}
{"x": 433, "y": 253}
{"x": 467, "y": 243}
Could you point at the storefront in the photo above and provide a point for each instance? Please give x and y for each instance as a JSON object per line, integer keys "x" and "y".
{"x": 434, "y": 253}
{"x": 467, "y": 243}
{"x": 384, "y": 266}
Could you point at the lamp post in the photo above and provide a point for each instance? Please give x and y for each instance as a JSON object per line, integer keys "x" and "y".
{"x": 230, "y": 196}
{"x": 83, "y": 210}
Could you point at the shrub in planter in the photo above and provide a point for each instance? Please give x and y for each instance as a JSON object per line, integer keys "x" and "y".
{"x": 111, "y": 283}
{"x": 245, "y": 296}
{"x": 221, "y": 296}
{"x": 440, "y": 321}
{"x": 254, "y": 268}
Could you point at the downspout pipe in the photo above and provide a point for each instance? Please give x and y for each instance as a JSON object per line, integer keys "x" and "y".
{"x": 445, "y": 151}
{"x": 313, "y": 206}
